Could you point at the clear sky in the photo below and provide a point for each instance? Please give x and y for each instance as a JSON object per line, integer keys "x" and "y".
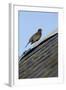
{"x": 29, "y": 22}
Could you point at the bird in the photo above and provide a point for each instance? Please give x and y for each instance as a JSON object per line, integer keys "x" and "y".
{"x": 35, "y": 37}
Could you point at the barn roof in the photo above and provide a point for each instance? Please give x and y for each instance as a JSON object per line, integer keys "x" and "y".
{"x": 41, "y": 60}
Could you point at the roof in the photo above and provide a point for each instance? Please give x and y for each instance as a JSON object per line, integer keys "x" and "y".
{"x": 41, "y": 60}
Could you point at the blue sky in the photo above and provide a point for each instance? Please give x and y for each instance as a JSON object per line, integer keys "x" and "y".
{"x": 29, "y": 22}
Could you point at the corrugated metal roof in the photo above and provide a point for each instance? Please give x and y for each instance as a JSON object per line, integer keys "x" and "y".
{"x": 42, "y": 60}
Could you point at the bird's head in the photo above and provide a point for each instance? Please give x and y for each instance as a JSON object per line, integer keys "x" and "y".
{"x": 40, "y": 30}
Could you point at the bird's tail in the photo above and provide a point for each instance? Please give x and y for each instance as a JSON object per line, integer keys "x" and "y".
{"x": 27, "y": 45}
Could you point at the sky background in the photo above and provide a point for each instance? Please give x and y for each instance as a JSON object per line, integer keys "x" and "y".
{"x": 28, "y": 24}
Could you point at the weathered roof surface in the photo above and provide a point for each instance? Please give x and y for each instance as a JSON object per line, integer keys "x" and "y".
{"x": 41, "y": 61}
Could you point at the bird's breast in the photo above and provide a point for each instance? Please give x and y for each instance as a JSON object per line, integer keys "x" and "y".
{"x": 36, "y": 37}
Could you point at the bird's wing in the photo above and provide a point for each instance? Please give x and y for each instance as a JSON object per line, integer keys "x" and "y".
{"x": 30, "y": 40}
{"x": 34, "y": 37}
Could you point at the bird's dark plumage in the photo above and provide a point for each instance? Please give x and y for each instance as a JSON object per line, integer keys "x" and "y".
{"x": 35, "y": 37}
